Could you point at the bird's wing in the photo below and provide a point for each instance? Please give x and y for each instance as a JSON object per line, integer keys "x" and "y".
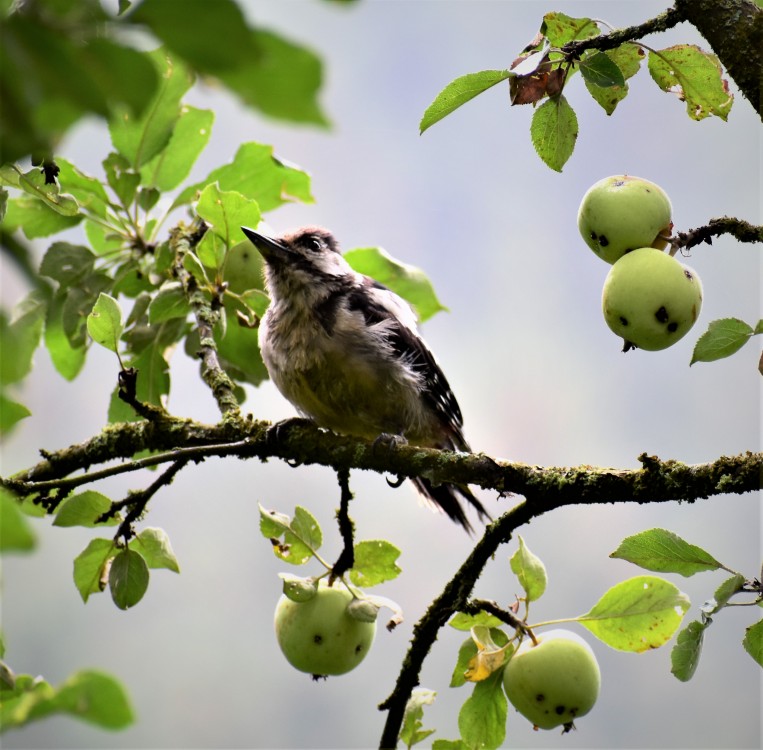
{"x": 380, "y": 305}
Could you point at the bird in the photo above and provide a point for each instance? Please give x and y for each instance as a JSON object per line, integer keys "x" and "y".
{"x": 345, "y": 351}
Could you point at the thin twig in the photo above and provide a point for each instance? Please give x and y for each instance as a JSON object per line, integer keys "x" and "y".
{"x": 741, "y": 230}
{"x": 666, "y": 20}
{"x": 137, "y": 502}
{"x": 346, "y": 558}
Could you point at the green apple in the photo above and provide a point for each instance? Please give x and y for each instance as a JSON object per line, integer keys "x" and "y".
{"x": 320, "y": 636}
{"x": 555, "y": 682}
{"x": 621, "y": 213}
{"x": 651, "y": 299}
{"x": 243, "y": 268}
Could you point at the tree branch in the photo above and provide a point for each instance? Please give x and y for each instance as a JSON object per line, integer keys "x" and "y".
{"x": 207, "y": 315}
{"x": 741, "y": 230}
{"x": 734, "y": 30}
{"x": 664, "y": 21}
{"x": 455, "y": 596}
{"x": 305, "y": 443}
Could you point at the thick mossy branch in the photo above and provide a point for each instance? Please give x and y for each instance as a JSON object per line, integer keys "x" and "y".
{"x": 301, "y": 442}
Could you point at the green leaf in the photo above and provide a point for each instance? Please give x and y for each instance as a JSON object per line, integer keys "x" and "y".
{"x": 374, "y": 563}
{"x": 225, "y": 212}
{"x": 665, "y": 552}
{"x": 90, "y": 567}
{"x": 559, "y": 28}
{"x": 723, "y": 338}
{"x": 189, "y": 137}
{"x": 15, "y": 533}
{"x": 3, "y": 203}
{"x": 195, "y": 267}
{"x": 458, "y": 92}
{"x": 89, "y": 192}
{"x": 695, "y": 76}
{"x": 97, "y": 698}
{"x": 153, "y": 375}
{"x": 140, "y": 138}
{"x": 684, "y": 657}
{"x": 35, "y": 219}
{"x": 628, "y": 58}
{"x": 412, "y": 731}
{"x": 753, "y": 642}
{"x": 212, "y": 250}
{"x": 67, "y": 264}
{"x": 34, "y": 182}
{"x": 20, "y": 337}
{"x": 482, "y": 718}
{"x": 462, "y": 621}
{"x": 466, "y": 652}
{"x": 257, "y": 174}
{"x": 553, "y": 131}
{"x": 123, "y": 180}
{"x": 600, "y": 70}
{"x": 11, "y": 413}
{"x": 154, "y": 547}
{"x": 78, "y": 303}
{"x": 410, "y": 282}
{"x": 726, "y": 590}
{"x": 266, "y": 71}
{"x": 238, "y": 348}
{"x": 530, "y": 571}
{"x": 637, "y": 614}
{"x": 449, "y": 745}
{"x": 92, "y": 696}
{"x": 103, "y": 240}
{"x": 83, "y": 509}
{"x": 128, "y": 578}
{"x": 170, "y": 302}
{"x": 67, "y": 352}
{"x": 104, "y": 323}
{"x": 301, "y": 535}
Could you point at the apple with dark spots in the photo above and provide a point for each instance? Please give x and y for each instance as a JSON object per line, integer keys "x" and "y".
{"x": 320, "y": 636}
{"x": 554, "y": 682}
{"x": 621, "y": 213}
{"x": 650, "y": 299}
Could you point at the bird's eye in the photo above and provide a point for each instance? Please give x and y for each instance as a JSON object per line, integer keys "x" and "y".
{"x": 314, "y": 244}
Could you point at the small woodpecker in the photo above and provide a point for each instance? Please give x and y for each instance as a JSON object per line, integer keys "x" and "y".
{"x": 344, "y": 350}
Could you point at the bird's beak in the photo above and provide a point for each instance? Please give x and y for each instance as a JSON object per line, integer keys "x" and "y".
{"x": 269, "y": 247}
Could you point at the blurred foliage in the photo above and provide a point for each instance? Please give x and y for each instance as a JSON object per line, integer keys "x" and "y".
{"x": 62, "y": 60}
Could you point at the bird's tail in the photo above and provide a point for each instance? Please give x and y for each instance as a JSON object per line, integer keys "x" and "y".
{"x": 446, "y": 497}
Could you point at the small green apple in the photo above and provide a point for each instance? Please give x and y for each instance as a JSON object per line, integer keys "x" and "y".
{"x": 650, "y": 299}
{"x": 320, "y": 636}
{"x": 621, "y": 213}
{"x": 555, "y": 682}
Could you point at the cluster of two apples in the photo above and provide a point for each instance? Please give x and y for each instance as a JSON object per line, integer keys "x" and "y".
{"x": 650, "y": 299}
{"x": 325, "y": 630}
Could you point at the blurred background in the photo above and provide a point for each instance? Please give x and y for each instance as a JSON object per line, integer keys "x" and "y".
{"x": 539, "y": 377}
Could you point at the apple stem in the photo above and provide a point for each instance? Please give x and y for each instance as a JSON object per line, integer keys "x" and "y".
{"x": 532, "y": 635}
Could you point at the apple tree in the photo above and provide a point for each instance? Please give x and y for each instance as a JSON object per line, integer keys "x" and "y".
{"x": 146, "y": 261}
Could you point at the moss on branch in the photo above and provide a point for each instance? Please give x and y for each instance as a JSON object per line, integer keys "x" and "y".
{"x": 301, "y": 442}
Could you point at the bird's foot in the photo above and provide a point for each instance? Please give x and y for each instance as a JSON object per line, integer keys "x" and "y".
{"x": 279, "y": 431}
